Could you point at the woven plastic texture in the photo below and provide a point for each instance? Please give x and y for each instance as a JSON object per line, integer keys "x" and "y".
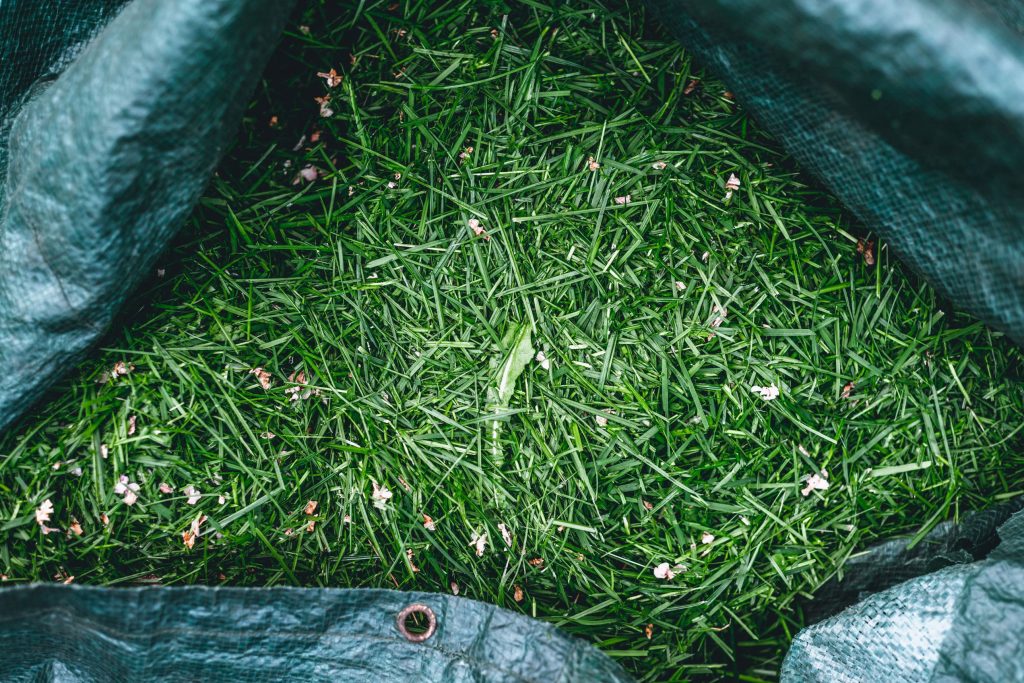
{"x": 911, "y": 112}
{"x": 962, "y": 623}
{"x": 107, "y": 635}
{"x": 112, "y": 118}
{"x": 894, "y": 561}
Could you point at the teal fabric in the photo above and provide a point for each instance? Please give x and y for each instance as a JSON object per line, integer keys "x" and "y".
{"x": 910, "y": 112}
{"x": 108, "y": 635}
{"x": 111, "y": 123}
{"x": 962, "y": 623}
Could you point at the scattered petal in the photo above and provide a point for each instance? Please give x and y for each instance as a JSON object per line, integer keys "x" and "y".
{"x": 190, "y": 535}
{"x": 815, "y": 482}
{"x": 104, "y": 450}
{"x": 659, "y": 165}
{"x": 193, "y": 494}
{"x": 347, "y": 519}
{"x": 624, "y": 199}
{"x": 131, "y": 425}
{"x": 505, "y": 535}
{"x": 262, "y": 376}
{"x": 704, "y": 256}
{"x": 128, "y": 489}
{"x": 332, "y": 77}
{"x": 707, "y": 538}
{"x": 44, "y": 511}
{"x": 474, "y": 225}
{"x": 75, "y": 528}
{"x": 544, "y": 361}
{"x": 165, "y": 488}
{"x": 647, "y": 505}
{"x": 455, "y": 588}
{"x": 464, "y": 154}
{"x": 720, "y": 316}
{"x": 304, "y": 30}
{"x": 848, "y": 389}
{"x": 649, "y": 631}
{"x": 769, "y": 393}
{"x": 309, "y": 173}
{"x": 428, "y": 523}
{"x": 267, "y": 435}
{"x": 480, "y": 541}
{"x": 517, "y": 593}
{"x": 381, "y": 496}
{"x": 592, "y": 164}
{"x": 77, "y": 471}
{"x": 325, "y": 106}
{"x": 311, "y": 526}
{"x": 601, "y": 420}
{"x": 392, "y": 184}
{"x": 105, "y": 519}
{"x": 731, "y": 185}
{"x": 664, "y": 571}
{"x": 680, "y": 285}
{"x": 221, "y": 500}
{"x": 537, "y": 562}
{"x": 408, "y": 556}
{"x": 310, "y": 507}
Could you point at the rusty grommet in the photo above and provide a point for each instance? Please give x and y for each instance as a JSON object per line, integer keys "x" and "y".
{"x": 416, "y": 608}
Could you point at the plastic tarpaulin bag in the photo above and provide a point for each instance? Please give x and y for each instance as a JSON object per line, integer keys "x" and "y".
{"x": 910, "y": 112}
{"x": 111, "y": 123}
{"x": 107, "y": 635}
{"x": 112, "y": 119}
{"x": 962, "y": 623}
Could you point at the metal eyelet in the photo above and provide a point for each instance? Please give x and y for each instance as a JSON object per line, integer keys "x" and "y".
{"x": 416, "y": 608}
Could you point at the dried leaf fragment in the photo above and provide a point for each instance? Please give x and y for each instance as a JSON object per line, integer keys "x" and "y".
{"x": 517, "y": 593}
{"x": 866, "y": 248}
